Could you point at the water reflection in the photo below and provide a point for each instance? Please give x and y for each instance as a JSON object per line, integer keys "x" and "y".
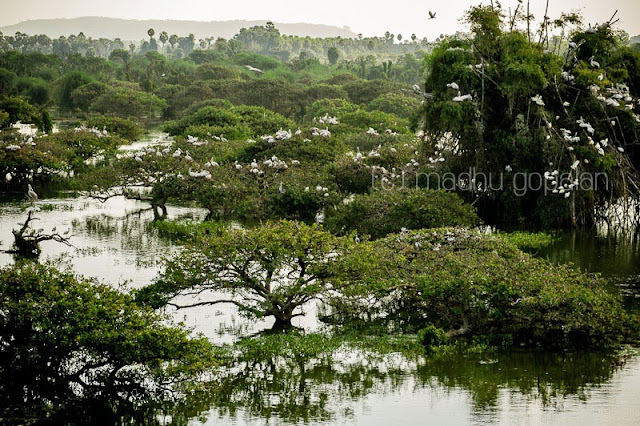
{"x": 112, "y": 241}
{"x": 615, "y": 254}
{"x": 352, "y": 386}
{"x": 154, "y": 137}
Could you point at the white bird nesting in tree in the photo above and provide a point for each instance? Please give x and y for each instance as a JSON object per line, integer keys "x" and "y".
{"x": 538, "y": 100}
{"x": 594, "y": 63}
{"x": 462, "y": 98}
{"x": 454, "y": 86}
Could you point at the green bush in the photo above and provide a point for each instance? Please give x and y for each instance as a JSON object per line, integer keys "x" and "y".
{"x": 257, "y": 120}
{"x": 127, "y": 102}
{"x": 332, "y": 107}
{"x": 378, "y": 120}
{"x": 432, "y": 336}
{"x": 401, "y": 105}
{"x": 385, "y": 211}
{"x": 481, "y": 288}
{"x": 317, "y": 151}
{"x": 122, "y": 127}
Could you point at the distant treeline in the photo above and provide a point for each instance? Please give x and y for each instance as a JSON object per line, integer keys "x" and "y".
{"x": 266, "y": 40}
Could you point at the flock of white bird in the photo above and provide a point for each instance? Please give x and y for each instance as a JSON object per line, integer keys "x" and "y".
{"x": 93, "y": 130}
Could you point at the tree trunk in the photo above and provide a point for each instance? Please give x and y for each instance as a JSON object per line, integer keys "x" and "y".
{"x": 159, "y": 212}
{"x": 283, "y": 320}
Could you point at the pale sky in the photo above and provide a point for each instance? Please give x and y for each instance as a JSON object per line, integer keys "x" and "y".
{"x": 372, "y": 17}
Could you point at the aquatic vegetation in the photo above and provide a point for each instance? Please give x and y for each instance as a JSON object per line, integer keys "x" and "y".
{"x": 529, "y": 242}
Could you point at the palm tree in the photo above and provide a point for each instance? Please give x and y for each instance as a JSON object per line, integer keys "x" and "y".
{"x": 173, "y": 39}
{"x": 163, "y": 38}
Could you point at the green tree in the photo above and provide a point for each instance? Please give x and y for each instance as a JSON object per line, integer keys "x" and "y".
{"x": 18, "y": 109}
{"x": 75, "y": 348}
{"x": 67, "y": 85}
{"x": 46, "y": 124}
{"x": 163, "y": 39}
{"x": 8, "y": 82}
{"x": 272, "y": 270}
{"x": 333, "y": 55}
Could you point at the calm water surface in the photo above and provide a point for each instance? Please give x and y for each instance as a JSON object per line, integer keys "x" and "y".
{"x": 116, "y": 242}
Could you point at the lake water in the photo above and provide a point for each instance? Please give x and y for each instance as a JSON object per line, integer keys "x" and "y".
{"x": 117, "y": 243}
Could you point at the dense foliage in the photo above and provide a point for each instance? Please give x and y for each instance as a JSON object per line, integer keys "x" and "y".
{"x": 511, "y": 104}
{"x": 481, "y": 288}
{"x": 79, "y": 349}
{"x": 384, "y": 212}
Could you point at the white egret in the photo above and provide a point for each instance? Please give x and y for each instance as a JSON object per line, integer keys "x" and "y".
{"x": 538, "y": 100}
{"x": 320, "y": 217}
{"x": 594, "y": 63}
{"x": 453, "y": 85}
{"x": 508, "y": 168}
{"x": 281, "y": 189}
{"x": 8, "y": 177}
{"x": 256, "y": 70}
{"x": 462, "y": 98}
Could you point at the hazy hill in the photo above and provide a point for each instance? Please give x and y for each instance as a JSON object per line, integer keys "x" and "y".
{"x": 126, "y": 29}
